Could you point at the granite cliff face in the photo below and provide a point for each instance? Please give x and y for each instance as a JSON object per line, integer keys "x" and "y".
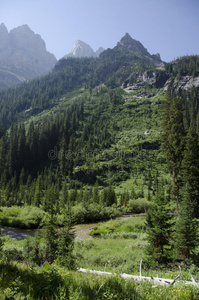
{"x": 23, "y": 56}
{"x": 81, "y": 49}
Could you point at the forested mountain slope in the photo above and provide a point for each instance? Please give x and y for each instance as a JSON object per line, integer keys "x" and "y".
{"x": 114, "y": 67}
{"x": 92, "y": 121}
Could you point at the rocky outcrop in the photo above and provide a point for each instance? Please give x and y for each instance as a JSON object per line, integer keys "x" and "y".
{"x": 81, "y": 49}
{"x": 23, "y": 56}
{"x": 151, "y": 79}
{"x": 184, "y": 83}
{"x": 156, "y": 56}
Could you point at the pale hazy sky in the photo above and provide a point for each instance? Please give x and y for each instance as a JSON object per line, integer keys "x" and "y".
{"x": 169, "y": 27}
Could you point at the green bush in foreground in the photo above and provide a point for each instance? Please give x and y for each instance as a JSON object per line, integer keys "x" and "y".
{"x": 19, "y": 281}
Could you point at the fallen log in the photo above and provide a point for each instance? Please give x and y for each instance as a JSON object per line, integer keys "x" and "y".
{"x": 154, "y": 280}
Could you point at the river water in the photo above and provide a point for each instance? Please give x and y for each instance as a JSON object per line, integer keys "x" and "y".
{"x": 17, "y": 233}
{"x": 81, "y": 230}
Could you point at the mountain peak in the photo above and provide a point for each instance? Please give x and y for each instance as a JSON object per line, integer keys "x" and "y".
{"x": 99, "y": 51}
{"x": 126, "y": 39}
{"x": 81, "y": 49}
{"x": 25, "y": 38}
{"x": 5, "y": 48}
{"x": 23, "y": 55}
{"x": 3, "y": 30}
{"x": 23, "y": 27}
{"x": 2, "y": 26}
{"x": 128, "y": 44}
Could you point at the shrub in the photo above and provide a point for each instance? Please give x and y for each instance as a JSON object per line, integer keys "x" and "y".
{"x": 18, "y": 282}
{"x": 22, "y": 217}
{"x": 138, "y": 206}
{"x": 92, "y": 212}
{"x": 122, "y": 228}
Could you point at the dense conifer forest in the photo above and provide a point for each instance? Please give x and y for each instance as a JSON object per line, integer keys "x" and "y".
{"x": 78, "y": 145}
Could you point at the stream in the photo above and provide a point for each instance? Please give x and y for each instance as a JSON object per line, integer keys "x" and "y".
{"x": 17, "y": 233}
{"x": 81, "y": 230}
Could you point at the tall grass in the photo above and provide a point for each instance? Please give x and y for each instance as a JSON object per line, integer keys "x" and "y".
{"x": 18, "y": 281}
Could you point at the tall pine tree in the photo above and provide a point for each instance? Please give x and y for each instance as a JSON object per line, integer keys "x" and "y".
{"x": 190, "y": 168}
{"x": 173, "y": 138}
{"x": 159, "y": 230}
{"x": 186, "y": 226}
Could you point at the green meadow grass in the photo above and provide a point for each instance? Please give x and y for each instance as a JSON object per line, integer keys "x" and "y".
{"x": 118, "y": 249}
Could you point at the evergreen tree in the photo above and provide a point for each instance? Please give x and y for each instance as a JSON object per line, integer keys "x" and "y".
{"x": 73, "y": 196}
{"x": 32, "y": 142}
{"x": 159, "y": 229}
{"x": 63, "y": 196}
{"x": 65, "y": 248}
{"x": 38, "y": 191}
{"x": 186, "y": 226}
{"x": 96, "y": 197}
{"x": 108, "y": 196}
{"x": 21, "y": 150}
{"x": 50, "y": 235}
{"x": 190, "y": 168}
{"x": 149, "y": 180}
{"x": 21, "y": 192}
{"x": 12, "y": 151}
{"x": 3, "y": 159}
{"x": 62, "y": 157}
{"x": 173, "y": 138}
{"x": 149, "y": 196}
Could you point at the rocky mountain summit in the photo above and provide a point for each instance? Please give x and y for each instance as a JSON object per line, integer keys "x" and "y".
{"x": 128, "y": 46}
{"x": 81, "y": 49}
{"x": 23, "y": 56}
